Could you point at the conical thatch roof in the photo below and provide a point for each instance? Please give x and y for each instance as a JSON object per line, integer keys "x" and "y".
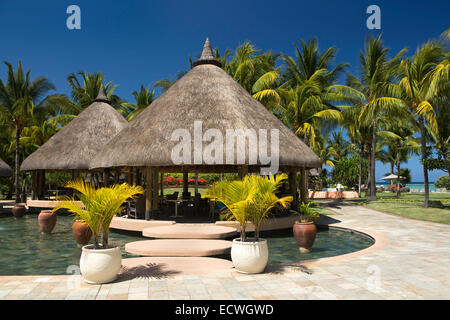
{"x": 74, "y": 146}
{"x": 5, "y": 170}
{"x": 208, "y": 94}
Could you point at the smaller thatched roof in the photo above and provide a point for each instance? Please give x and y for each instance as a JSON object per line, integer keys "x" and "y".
{"x": 73, "y": 147}
{"x": 5, "y": 170}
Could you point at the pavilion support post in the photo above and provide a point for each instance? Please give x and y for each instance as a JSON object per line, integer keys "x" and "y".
{"x": 33, "y": 185}
{"x": 155, "y": 202}
{"x": 293, "y": 188}
{"x": 130, "y": 176}
{"x": 185, "y": 183}
{"x": 117, "y": 176}
{"x": 148, "y": 192}
{"x": 161, "y": 184}
{"x": 106, "y": 178}
{"x": 196, "y": 184}
{"x": 138, "y": 177}
{"x": 41, "y": 184}
{"x": 303, "y": 185}
{"x": 243, "y": 171}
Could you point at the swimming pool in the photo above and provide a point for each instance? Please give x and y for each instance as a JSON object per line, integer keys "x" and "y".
{"x": 24, "y": 250}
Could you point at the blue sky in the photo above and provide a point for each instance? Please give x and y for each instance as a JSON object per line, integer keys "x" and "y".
{"x": 139, "y": 42}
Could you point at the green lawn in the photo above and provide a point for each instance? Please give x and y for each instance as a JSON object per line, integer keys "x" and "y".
{"x": 410, "y": 205}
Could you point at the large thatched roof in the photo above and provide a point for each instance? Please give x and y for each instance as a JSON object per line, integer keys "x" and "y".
{"x": 74, "y": 146}
{"x": 5, "y": 170}
{"x": 208, "y": 94}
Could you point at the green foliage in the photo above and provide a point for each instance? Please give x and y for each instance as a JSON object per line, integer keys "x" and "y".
{"x": 250, "y": 199}
{"x": 346, "y": 171}
{"x": 306, "y": 212}
{"x": 97, "y": 207}
{"x": 443, "y": 182}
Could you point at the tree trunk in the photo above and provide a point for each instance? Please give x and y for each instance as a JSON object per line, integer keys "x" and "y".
{"x": 373, "y": 186}
{"x": 425, "y": 166}
{"x": 360, "y": 174}
{"x": 398, "y": 175}
{"x": 16, "y": 169}
{"x": 105, "y": 241}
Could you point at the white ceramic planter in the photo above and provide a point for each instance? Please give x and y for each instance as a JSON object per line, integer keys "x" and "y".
{"x": 100, "y": 266}
{"x": 251, "y": 256}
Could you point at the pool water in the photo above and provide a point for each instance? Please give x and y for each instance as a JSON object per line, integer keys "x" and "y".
{"x": 328, "y": 243}
{"x": 24, "y": 250}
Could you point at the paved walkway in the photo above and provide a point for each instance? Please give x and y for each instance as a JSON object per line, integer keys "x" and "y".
{"x": 411, "y": 260}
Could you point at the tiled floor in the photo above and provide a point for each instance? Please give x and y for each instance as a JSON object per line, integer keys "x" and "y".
{"x": 414, "y": 263}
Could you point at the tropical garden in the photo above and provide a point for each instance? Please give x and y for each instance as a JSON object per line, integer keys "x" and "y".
{"x": 396, "y": 106}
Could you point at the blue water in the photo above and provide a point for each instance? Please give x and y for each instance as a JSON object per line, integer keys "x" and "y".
{"x": 418, "y": 186}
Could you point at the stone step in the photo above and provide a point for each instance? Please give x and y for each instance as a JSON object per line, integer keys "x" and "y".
{"x": 179, "y": 247}
{"x": 163, "y": 267}
{"x": 190, "y": 231}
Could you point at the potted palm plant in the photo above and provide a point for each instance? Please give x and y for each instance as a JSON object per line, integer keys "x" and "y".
{"x": 305, "y": 230}
{"x": 249, "y": 200}
{"x": 99, "y": 263}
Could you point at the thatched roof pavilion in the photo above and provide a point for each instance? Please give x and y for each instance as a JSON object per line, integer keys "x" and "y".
{"x": 208, "y": 94}
{"x": 74, "y": 146}
{"x": 5, "y": 170}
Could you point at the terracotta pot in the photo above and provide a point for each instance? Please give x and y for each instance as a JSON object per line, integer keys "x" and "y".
{"x": 19, "y": 210}
{"x": 81, "y": 232}
{"x": 47, "y": 221}
{"x": 304, "y": 234}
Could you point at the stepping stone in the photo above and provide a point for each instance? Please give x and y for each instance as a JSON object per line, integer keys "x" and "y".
{"x": 137, "y": 224}
{"x": 190, "y": 231}
{"x": 163, "y": 267}
{"x": 179, "y": 247}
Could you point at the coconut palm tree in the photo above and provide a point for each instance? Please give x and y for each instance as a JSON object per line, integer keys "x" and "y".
{"x": 425, "y": 76}
{"x": 144, "y": 97}
{"x": 85, "y": 88}
{"x": 401, "y": 143}
{"x": 20, "y": 98}
{"x": 377, "y": 91}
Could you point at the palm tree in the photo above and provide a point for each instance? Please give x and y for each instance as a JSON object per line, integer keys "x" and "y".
{"x": 20, "y": 98}
{"x": 98, "y": 206}
{"x": 341, "y": 146}
{"x": 425, "y": 76}
{"x": 85, "y": 90}
{"x": 250, "y": 199}
{"x": 401, "y": 143}
{"x": 327, "y": 156}
{"x": 314, "y": 92}
{"x": 377, "y": 92}
{"x": 143, "y": 99}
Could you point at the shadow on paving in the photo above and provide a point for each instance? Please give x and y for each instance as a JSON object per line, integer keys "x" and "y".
{"x": 149, "y": 270}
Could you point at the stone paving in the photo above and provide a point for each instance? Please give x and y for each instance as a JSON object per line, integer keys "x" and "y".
{"x": 411, "y": 260}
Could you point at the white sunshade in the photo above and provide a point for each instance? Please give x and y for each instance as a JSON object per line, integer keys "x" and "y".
{"x": 391, "y": 177}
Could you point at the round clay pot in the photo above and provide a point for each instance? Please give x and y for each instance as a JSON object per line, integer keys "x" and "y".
{"x": 47, "y": 221}
{"x": 19, "y": 210}
{"x": 249, "y": 256}
{"x": 101, "y": 265}
{"x": 81, "y": 232}
{"x": 304, "y": 234}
